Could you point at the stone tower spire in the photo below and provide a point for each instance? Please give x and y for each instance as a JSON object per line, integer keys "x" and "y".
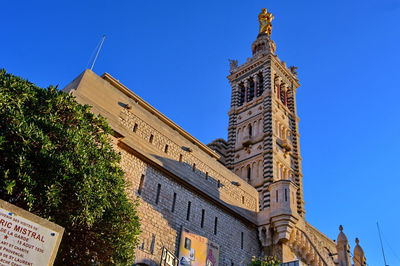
{"x": 358, "y": 255}
{"x": 263, "y": 139}
{"x": 343, "y": 249}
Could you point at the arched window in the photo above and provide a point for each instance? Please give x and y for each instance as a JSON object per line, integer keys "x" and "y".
{"x": 255, "y": 170}
{"x": 248, "y": 173}
{"x": 250, "y": 93}
{"x": 239, "y": 135}
{"x": 255, "y": 128}
{"x": 278, "y": 94}
{"x": 260, "y": 84}
{"x": 283, "y": 94}
{"x": 286, "y": 96}
{"x": 242, "y": 94}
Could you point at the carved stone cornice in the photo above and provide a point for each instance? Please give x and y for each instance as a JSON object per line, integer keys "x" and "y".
{"x": 248, "y": 66}
{"x": 285, "y": 71}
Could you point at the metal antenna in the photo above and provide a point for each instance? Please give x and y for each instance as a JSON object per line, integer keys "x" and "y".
{"x": 98, "y": 51}
{"x": 380, "y": 238}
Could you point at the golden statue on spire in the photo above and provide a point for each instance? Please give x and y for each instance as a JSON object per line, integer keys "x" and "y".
{"x": 265, "y": 19}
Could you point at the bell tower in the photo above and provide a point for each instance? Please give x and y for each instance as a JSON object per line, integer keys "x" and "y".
{"x": 263, "y": 140}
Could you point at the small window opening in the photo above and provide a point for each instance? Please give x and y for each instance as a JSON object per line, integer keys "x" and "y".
{"x": 242, "y": 199}
{"x": 285, "y": 194}
{"x": 276, "y": 195}
{"x": 218, "y": 183}
{"x": 173, "y": 203}
{"x": 250, "y": 90}
{"x": 203, "y": 213}
{"x": 283, "y": 95}
{"x": 188, "y": 210}
{"x": 151, "y": 138}
{"x": 206, "y": 175}
{"x": 134, "y": 129}
{"x": 166, "y": 148}
{"x": 242, "y": 94}
{"x": 141, "y": 185}
{"x": 158, "y": 193}
{"x": 250, "y": 129}
{"x": 180, "y": 157}
{"x": 260, "y": 84}
{"x": 153, "y": 243}
{"x": 215, "y": 225}
{"x": 248, "y": 173}
{"x": 241, "y": 240}
{"x": 194, "y": 167}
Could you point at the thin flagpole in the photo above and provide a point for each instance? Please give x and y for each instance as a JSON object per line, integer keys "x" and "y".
{"x": 380, "y": 238}
{"x": 98, "y": 51}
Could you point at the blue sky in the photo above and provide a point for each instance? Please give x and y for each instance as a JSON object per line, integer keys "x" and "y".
{"x": 175, "y": 54}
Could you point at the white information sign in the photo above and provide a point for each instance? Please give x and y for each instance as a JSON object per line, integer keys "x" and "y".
{"x": 26, "y": 239}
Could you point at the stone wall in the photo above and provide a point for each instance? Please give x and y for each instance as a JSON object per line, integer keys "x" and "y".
{"x": 161, "y": 222}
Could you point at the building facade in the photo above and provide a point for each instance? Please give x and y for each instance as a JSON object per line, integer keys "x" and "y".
{"x": 223, "y": 203}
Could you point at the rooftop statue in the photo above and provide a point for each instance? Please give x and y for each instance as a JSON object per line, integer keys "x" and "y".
{"x": 265, "y": 19}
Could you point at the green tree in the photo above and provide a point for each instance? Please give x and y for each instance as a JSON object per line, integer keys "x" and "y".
{"x": 57, "y": 161}
{"x": 265, "y": 261}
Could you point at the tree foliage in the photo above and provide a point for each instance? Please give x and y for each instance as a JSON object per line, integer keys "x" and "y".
{"x": 265, "y": 261}
{"x": 56, "y": 160}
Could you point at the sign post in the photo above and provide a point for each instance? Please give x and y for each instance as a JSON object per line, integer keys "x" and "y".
{"x": 27, "y": 239}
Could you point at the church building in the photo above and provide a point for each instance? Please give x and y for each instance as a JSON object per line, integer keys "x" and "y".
{"x": 228, "y": 201}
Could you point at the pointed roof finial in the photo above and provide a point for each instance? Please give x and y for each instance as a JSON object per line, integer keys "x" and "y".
{"x": 265, "y": 19}
{"x": 357, "y": 241}
{"x": 340, "y": 228}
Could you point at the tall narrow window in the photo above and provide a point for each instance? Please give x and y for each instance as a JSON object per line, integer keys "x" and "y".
{"x": 151, "y": 138}
{"x": 173, "y": 203}
{"x": 250, "y": 90}
{"x": 166, "y": 148}
{"x": 135, "y": 126}
{"x": 218, "y": 183}
{"x": 153, "y": 243}
{"x": 260, "y": 85}
{"x": 286, "y": 96}
{"x": 250, "y": 129}
{"x": 141, "y": 185}
{"x": 203, "y": 212}
{"x": 180, "y": 157}
{"x": 215, "y": 225}
{"x": 206, "y": 175}
{"x": 283, "y": 94}
{"x": 242, "y": 199}
{"x": 158, "y": 193}
{"x": 241, "y": 240}
{"x": 276, "y": 195}
{"x": 278, "y": 94}
{"x": 194, "y": 167}
{"x": 242, "y": 94}
{"x": 285, "y": 194}
{"x": 188, "y": 211}
{"x": 248, "y": 173}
